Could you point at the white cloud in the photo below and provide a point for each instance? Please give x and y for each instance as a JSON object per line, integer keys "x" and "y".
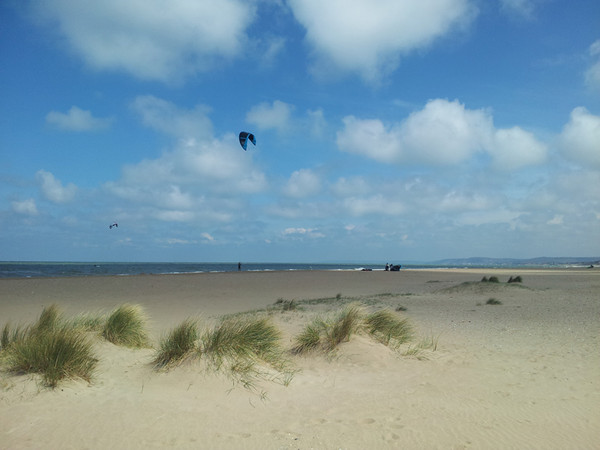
{"x": 442, "y": 133}
{"x": 351, "y": 186}
{"x": 580, "y": 138}
{"x": 303, "y": 183}
{"x": 195, "y": 181}
{"x": 368, "y": 37}
{"x": 53, "y": 189}
{"x": 303, "y": 232}
{"x": 558, "y": 219}
{"x": 215, "y": 165}
{"x": 151, "y": 39}
{"x": 208, "y": 237}
{"x": 377, "y": 204}
{"x": 164, "y": 116}
{"x": 270, "y": 116}
{"x": 445, "y": 132}
{"x": 77, "y": 119}
{"x": 592, "y": 75}
{"x": 25, "y": 207}
{"x": 515, "y": 148}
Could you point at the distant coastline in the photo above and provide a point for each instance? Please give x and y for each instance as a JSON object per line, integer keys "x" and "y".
{"x": 37, "y": 269}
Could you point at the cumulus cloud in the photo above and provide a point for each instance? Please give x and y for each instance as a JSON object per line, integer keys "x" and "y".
{"x": 368, "y": 37}
{"x": 377, "y": 204}
{"x": 77, "y": 119}
{"x": 515, "y": 148}
{"x": 190, "y": 182}
{"x": 580, "y": 138}
{"x": 303, "y": 183}
{"x": 166, "y": 117}
{"x": 267, "y": 116}
{"x": 151, "y": 39}
{"x": 442, "y": 133}
{"x": 25, "y": 207}
{"x": 53, "y": 189}
{"x": 298, "y": 232}
{"x": 592, "y": 75}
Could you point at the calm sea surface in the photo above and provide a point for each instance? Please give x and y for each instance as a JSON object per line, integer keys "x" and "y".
{"x": 74, "y": 269}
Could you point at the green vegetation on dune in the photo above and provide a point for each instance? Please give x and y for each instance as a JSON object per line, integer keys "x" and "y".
{"x": 49, "y": 347}
{"x": 127, "y": 326}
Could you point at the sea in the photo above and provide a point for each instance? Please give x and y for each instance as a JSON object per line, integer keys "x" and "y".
{"x": 37, "y": 269}
{"x": 76, "y": 269}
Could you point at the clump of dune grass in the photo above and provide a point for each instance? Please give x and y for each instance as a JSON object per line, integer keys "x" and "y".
{"x": 11, "y": 334}
{"x": 516, "y": 279}
{"x": 310, "y": 338}
{"x": 327, "y": 335}
{"x": 240, "y": 345}
{"x": 241, "y": 338}
{"x": 49, "y": 319}
{"x": 419, "y": 349}
{"x": 50, "y": 347}
{"x": 388, "y": 328}
{"x": 88, "y": 322}
{"x": 287, "y": 305}
{"x": 58, "y": 353}
{"x": 127, "y": 326}
{"x": 177, "y": 344}
{"x": 493, "y": 301}
{"x": 341, "y": 329}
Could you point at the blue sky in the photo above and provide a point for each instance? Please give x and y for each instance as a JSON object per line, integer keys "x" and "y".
{"x": 386, "y": 130}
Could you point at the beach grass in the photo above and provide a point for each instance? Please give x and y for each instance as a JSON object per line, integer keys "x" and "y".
{"x": 388, "y": 328}
{"x": 50, "y": 347}
{"x": 126, "y": 326}
{"x": 240, "y": 345}
{"x": 88, "y": 322}
{"x": 342, "y": 328}
{"x": 177, "y": 344}
{"x": 241, "y": 338}
{"x": 385, "y": 326}
{"x": 310, "y": 337}
{"x": 49, "y": 319}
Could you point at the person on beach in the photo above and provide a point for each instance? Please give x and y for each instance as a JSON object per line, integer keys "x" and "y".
{"x": 387, "y": 267}
{"x": 239, "y": 266}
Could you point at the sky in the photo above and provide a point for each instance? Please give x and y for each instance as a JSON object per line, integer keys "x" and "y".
{"x": 386, "y": 130}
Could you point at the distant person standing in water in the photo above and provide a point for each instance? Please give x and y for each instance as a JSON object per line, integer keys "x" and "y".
{"x": 239, "y": 266}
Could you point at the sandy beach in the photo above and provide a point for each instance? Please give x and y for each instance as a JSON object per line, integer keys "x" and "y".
{"x": 521, "y": 374}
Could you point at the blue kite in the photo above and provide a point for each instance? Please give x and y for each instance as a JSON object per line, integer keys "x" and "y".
{"x": 245, "y": 137}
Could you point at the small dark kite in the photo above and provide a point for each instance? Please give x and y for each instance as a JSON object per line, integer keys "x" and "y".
{"x": 245, "y": 137}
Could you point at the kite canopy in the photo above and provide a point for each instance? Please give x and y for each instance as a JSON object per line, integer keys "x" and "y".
{"x": 245, "y": 137}
{"x": 114, "y": 224}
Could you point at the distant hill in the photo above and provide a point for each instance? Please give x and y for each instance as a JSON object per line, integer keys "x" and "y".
{"x": 512, "y": 262}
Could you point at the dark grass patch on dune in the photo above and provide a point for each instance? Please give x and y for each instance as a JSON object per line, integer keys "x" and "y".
{"x": 50, "y": 347}
{"x": 480, "y": 287}
{"x": 126, "y": 326}
{"x": 177, "y": 344}
{"x": 385, "y": 326}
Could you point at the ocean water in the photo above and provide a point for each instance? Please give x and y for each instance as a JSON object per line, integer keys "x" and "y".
{"x": 75, "y": 269}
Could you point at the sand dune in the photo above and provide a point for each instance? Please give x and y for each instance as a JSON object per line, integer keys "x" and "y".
{"x": 523, "y": 374}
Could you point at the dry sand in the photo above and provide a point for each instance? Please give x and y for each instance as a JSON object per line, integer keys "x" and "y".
{"x": 523, "y": 374}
